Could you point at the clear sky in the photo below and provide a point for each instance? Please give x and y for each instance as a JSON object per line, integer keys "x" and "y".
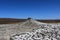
{"x": 39, "y": 9}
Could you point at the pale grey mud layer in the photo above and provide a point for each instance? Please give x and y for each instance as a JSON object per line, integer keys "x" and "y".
{"x": 30, "y": 30}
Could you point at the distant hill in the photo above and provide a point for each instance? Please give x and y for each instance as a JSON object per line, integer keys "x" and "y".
{"x": 14, "y": 20}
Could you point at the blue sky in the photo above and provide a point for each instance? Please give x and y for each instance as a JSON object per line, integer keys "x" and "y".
{"x": 37, "y": 9}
